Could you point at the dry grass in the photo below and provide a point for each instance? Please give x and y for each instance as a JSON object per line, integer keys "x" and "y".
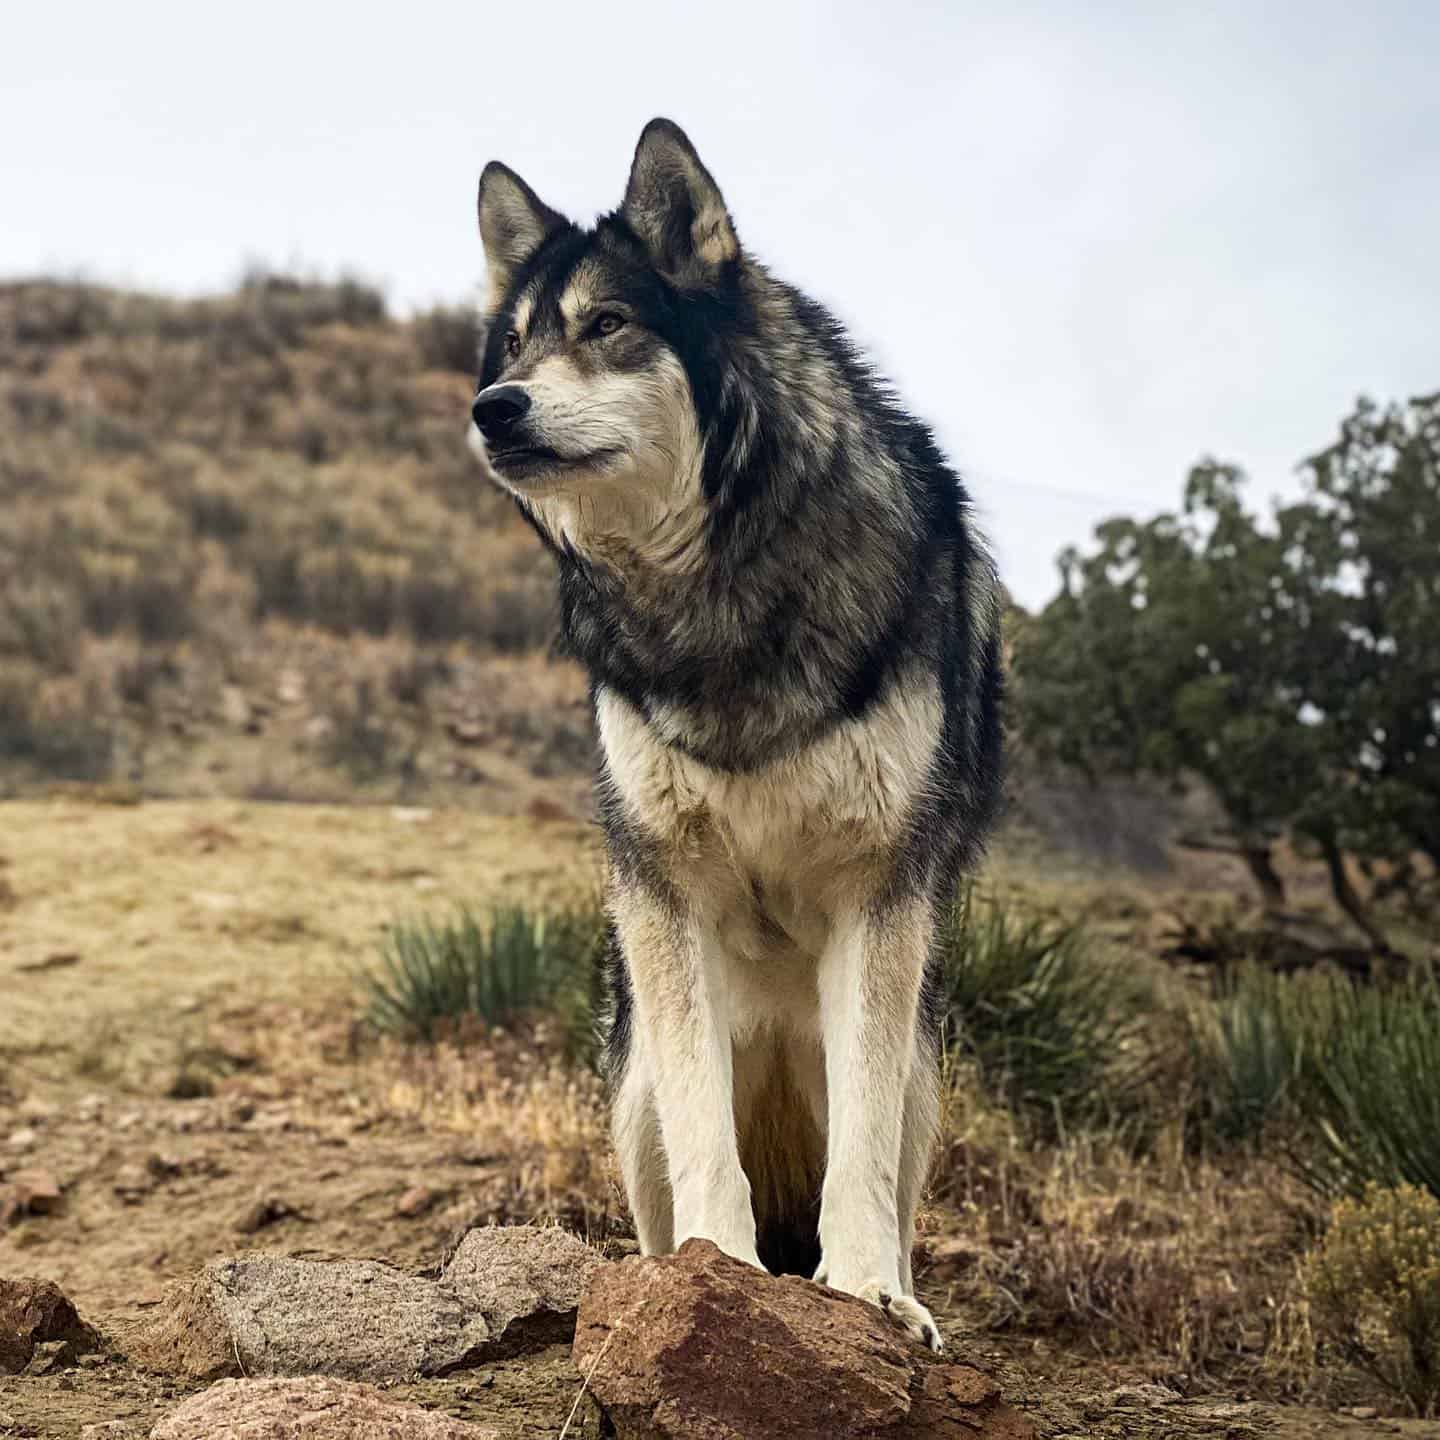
{"x": 197, "y": 495}
{"x": 174, "y": 910}
{"x": 1161, "y": 1256}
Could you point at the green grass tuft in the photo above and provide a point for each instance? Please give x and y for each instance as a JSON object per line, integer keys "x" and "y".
{"x": 1348, "y": 1075}
{"x": 511, "y": 962}
{"x": 1053, "y": 1031}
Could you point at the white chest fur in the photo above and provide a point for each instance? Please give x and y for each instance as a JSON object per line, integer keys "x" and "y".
{"x": 801, "y": 837}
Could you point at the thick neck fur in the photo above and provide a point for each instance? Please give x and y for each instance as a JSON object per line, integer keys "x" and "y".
{"x": 803, "y": 578}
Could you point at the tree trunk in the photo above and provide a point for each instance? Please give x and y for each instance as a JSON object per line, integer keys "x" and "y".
{"x": 1348, "y": 899}
{"x": 1262, "y": 870}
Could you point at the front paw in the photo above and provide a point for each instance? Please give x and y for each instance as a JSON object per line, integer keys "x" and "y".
{"x": 905, "y": 1311}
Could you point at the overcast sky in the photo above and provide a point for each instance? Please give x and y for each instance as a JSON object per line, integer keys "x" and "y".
{"x": 1091, "y": 243}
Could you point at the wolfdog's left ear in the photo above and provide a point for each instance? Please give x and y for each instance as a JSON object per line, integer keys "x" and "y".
{"x": 675, "y": 207}
{"x": 514, "y": 223}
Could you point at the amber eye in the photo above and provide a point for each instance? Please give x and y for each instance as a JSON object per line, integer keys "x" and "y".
{"x": 512, "y": 343}
{"x": 609, "y": 323}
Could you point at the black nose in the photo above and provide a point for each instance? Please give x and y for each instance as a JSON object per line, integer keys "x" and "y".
{"x": 498, "y": 408}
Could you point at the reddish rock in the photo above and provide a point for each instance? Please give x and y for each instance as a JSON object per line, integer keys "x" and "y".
{"x": 309, "y": 1409}
{"x": 697, "y": 1346}
{"x": 34, "y": 1192}
{"x": 263, "y": 1211}
{"x": 37, "y": 1315}
{"x": 415, "y": 1202}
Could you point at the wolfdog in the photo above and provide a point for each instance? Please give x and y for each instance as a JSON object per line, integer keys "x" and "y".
{"x": 791, "y": 632}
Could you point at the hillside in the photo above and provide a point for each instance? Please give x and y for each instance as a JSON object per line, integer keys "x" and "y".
{"x": 244, "y": 550}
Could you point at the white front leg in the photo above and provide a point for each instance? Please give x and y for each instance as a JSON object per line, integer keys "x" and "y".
{"x": 870, "y": 979}
{"x": 683, "y": 1022}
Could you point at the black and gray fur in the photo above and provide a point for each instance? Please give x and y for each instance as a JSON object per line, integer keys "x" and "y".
{"x": 817, "y": 570}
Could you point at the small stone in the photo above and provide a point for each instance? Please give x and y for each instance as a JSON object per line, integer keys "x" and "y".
{"x": 1145, "y": 1396}
{"x": 37, "y": 1318}
{"x": 36, "y": 1192}
{"x": 133, "y": 1183}
{"x": 23, "y": 1139}
{"x": 263, "y": 1211}
{"x": 235, "y": 709}
{"x": 467, "y": 729}
{"x": 290, "y": 687}
{"x": 416, "y": 1202}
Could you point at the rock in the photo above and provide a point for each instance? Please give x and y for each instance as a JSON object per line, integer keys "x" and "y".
{"x": 1147, "y": 1397}
{"x": 951, "y": 1257}
{"x": 36, "y": 1313}
{"x": 109, "y": 1430}
{"x": 24, "y": 1138}
{"x": 35, "y": 1192}
{"x": 415, "y": 1202}
{"x": 262, "y": 1211}
{"x": 268, "y": 1315}
{"x": 504, "y": 1291}
{"x": 467, "y": 729}
{"x": 290, "y": 687}
{"x": 526, "y": 1280}
{"x": 310, "y": 1409}
{"x": 235, "y": 709}
{"x": 700, "y": 1346}
{"x": 50, "y": 1356}
{"x": 132, "y": 1183}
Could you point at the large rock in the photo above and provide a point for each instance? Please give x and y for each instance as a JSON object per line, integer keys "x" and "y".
{"x": 268, "y": 1315}
{"x": 505, "y": 1290}
{"x": 700, "y": 1346}
{"x": 37, "y": 1315}
{"x": 526, "y": 1280}
{"x": 309, "y": 1409}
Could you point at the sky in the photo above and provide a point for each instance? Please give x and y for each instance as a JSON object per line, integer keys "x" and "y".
{"x": 1090, "y": 244}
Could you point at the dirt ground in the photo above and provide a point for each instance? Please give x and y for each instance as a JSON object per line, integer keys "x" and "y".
{"x": 180, "y": 1049}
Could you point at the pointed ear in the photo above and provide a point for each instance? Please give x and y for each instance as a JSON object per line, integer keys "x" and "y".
{"x": 675, "y": 207}
{"x": 514, "y": 223}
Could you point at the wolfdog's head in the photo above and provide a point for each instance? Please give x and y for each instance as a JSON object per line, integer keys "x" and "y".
{"x": 598, "y": 346}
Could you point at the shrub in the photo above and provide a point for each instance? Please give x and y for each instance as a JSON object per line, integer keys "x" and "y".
{"x": 1348, "y": 1069}
{"x": 1248, "y": 1054}
{"x": 55, "y": 727}
{"x": 1374, "y": 1289}
{"x": 1051, "y": 1030}
{"x": 434, "y": 976}
{"x": 1372, "y": 1091}
{"x": 357, "y": 739}
{"x": 449, "y": 339}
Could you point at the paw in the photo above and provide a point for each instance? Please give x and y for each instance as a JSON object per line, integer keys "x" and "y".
{"x": 906, "y": 1312}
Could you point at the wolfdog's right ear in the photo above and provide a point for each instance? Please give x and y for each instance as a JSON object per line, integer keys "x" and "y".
{"x": 514, "y": 223}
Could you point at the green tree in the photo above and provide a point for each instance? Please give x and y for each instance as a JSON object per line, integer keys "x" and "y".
{"x": 1293, "y": 666}
{"x": 1367, "y": 564}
